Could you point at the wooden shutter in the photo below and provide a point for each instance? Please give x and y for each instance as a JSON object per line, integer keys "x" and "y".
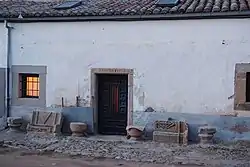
{"x": 240, "y": 89}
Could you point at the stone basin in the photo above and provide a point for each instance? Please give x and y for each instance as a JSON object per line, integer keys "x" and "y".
{"x": 14, "y": 120}
{"x": 14, "y": 123}
{"x": 78, "y": 128}
{"x": 206, "y": 134}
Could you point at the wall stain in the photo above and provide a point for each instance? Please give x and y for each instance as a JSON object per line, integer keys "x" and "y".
{"x": 240, "y": 128}
{"x": 138, "y": 91}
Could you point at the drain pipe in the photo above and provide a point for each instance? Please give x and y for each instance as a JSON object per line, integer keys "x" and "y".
{"x": 8, "y": 70}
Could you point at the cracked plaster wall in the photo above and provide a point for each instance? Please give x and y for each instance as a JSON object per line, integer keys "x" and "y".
{"x": 180, "y": 66}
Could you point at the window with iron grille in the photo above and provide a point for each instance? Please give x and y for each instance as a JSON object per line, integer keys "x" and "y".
{"x": 29, "y": 85}
{"x": 248, "y": 87}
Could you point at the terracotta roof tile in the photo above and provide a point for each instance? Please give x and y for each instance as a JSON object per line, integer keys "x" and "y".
{"x": 30, "y": 9}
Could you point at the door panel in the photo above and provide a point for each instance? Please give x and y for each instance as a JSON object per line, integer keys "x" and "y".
{"x": 112, "y": 104}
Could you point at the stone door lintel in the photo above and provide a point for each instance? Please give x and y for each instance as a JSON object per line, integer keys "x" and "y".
{"x": 94, "y": 91}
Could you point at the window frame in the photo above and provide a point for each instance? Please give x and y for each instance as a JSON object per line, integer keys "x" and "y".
{"x": 23, "y": 85}
{"x": 240, "y": 84}
{"x": 16, "y": 100}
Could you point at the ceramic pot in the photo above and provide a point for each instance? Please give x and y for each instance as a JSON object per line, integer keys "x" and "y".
{"x": 134, "y": 132}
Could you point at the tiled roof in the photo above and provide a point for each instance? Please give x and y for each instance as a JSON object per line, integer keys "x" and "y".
{"x": 41, "y": 9}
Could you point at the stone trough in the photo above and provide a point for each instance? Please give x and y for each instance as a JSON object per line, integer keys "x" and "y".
{"x": 14, "y": 123}
{"x": 78, "y": 129}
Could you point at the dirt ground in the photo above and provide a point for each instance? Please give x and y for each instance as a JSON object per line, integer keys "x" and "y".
{"x": 15, "y": 158}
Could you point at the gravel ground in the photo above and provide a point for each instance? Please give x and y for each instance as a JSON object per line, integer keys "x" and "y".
{"x": 230, "y": 154}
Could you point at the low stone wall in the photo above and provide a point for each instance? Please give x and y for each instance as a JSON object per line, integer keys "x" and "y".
{"x": 228, "y": 128}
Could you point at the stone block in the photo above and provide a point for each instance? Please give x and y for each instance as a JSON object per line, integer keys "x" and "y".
{"x": 171, "y": 126}
{"x": 49, "y": 122}
{"x": 171, "y": 132}
{"x": 168, "y": 137}
{"x": 206, "y": 134}
{"x": 46, "y": 118}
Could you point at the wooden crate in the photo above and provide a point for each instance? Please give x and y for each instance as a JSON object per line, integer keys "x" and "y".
{"x": 42, "y": 121}
{"x": 171, "y": 132}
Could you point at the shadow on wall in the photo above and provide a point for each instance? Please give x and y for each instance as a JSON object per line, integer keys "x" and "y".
{"x": 228, "y": 128}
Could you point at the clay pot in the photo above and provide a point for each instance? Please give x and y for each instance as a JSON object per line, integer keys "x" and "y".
{"x": 134, "y": 131}
{"x": 78, "y": 128}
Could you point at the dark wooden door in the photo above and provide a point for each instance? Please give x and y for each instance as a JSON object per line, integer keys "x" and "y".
{"x": 112, "y": 104}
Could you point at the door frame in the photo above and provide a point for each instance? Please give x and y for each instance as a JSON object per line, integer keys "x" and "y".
{"x": 94, "y": 91}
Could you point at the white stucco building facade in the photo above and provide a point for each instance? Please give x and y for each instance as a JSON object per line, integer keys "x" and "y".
{"x": 172, "y": 65}
{"x": 179, "y": 66}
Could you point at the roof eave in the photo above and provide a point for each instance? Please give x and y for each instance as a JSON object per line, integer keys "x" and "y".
{"x": 219, "y": 15}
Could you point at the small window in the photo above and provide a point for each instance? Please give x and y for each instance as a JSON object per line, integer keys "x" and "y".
{"x": 242, "y": 87}
{"x": 248, "y": 87}
{"x": 29, "y": 85}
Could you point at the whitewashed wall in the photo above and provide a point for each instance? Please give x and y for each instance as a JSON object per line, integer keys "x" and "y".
{"x": 181, "y": 66}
